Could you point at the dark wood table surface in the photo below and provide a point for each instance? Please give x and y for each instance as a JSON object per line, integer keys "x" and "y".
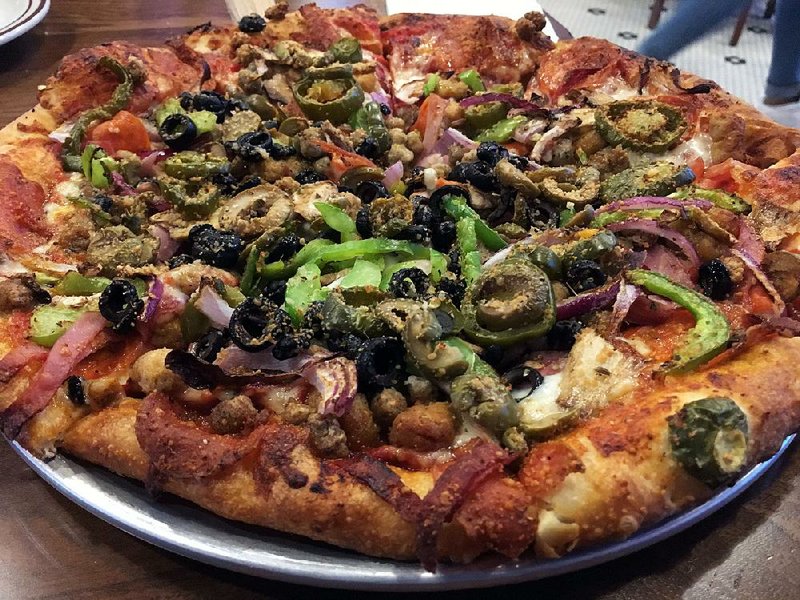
{"x": 50, "y": 548}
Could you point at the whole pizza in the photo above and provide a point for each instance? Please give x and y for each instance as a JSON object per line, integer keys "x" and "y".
{"x": 421, "y": 286}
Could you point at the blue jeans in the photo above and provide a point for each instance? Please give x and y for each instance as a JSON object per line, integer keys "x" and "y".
{"x": 783, "y": 80}
{"x": 695, "y": 18}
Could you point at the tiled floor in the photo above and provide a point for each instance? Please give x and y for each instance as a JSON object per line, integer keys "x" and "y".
{"x": 742, "y": 70}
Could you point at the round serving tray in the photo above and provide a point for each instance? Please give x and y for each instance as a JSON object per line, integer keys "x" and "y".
{"x": 190, "y": 531}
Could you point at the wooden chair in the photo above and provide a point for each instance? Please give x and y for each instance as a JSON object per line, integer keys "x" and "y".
{"x": 658, "y": 8}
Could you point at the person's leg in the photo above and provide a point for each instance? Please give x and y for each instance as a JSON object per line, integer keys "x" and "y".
{"x": 783, "y": 81}
{"x": 691, "y": 21}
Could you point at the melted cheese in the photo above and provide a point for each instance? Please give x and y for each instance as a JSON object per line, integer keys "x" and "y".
{"x": 684, "y": 153}
{"x": 596, "y": 374}
{"x": 543, "y": 401}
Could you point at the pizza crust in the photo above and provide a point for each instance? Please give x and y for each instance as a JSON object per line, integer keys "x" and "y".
{"x": 620, "y": 475}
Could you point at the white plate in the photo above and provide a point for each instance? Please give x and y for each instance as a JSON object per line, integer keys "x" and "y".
{"x": 18, "y": 16}
{"x": 190, "y": 531}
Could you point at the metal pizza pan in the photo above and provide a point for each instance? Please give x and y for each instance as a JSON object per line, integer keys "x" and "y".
{"x": 190, "y": 531}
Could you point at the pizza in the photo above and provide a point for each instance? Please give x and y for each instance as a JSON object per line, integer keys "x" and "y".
{"x": 425, "y": 287}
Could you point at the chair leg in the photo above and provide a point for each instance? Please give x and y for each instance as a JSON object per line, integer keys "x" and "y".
{"x": 737, "y": 31}
{"x": 655, "y": 13}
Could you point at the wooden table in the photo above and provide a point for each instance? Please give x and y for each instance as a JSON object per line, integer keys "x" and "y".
{"x": 50, "y": 548}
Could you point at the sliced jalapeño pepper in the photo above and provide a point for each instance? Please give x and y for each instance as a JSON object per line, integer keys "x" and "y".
{"x": 510, "y": 302}
{"x": 646, "y": 126}
{"x": 188, "y": 164}
{"x": 330, "y": 93}
{"x": 483, "y": 116}
{"x": 127, "y": 78}
{"x": 347, "y": 50}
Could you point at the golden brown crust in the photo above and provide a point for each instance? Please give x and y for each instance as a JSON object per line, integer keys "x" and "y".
{"x": 603, "y": 480}
{"x": 611, "y": 476}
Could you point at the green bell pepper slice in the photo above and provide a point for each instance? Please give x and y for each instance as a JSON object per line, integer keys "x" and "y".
{"x": 711, "y": 332}
{"x": 502, "y": 130}
{"x": 473, "y": 80}
{"x": 75, "y": 284}
{"x": 338, "y": 220}
{"x": 457, "y": 207}
{"x": 430, "y": 84}
{"x": 467, "y": 241}
{"x": 364, "y": 273}
{"x": 324, "y": 252}
{"x": 48, "y": 323}
{"x": 303, "y": 288}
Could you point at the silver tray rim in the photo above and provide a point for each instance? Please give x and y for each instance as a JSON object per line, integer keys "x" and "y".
{"x": 192, "y": 532}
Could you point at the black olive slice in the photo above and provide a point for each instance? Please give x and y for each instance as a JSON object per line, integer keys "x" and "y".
{"x": 255, "y": 324}
{"x": 178, "y": 131}
{"x": 381, "y": 362}
{"x": 524, "y": 380}
{"x": 120, "y": 304}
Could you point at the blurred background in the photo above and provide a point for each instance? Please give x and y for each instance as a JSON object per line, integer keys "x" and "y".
{"x": 741, "y": 68}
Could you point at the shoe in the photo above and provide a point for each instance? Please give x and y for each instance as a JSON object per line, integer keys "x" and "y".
{"x": 780, "y": 100}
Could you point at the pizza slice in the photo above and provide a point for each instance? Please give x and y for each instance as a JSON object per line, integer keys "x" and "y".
{"x": 457, "y": 54}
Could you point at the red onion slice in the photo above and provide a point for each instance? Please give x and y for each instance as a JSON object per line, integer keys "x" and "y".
{"x": 149, "y": 162}
{"x": 749, "y": 243}
{"x": 121, "y": 186}
{"x": 234, "y": 360}
{"x": 452, "y": 137}
{"x": 761, "y": 277}
{"x": 784, "y": 324}
{"x": 587, "y": 302}
{"x": 154, "y": 295}
{"x": 392, "y": 175}
{"x": 212, "y": 305}
{"x": 653, "y": 228}
{"x": 167, "y": 246}
{"x": 649, "y": 309}
{"x": 661, "y": 260}
{"x": 649, "y": 202}
{"x": 381, "y": 98}
{"x": 336, "y": 380}
{"x": 622, "y": 303}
